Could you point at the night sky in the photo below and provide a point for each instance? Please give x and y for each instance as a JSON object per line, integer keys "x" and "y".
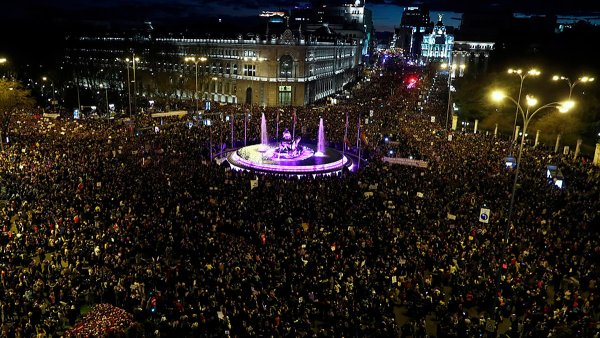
{"x": 386, "y": 12}
{"x": 31, "y": 26}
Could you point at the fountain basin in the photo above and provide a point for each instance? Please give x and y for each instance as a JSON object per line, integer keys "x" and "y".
{"x": 267, "y": 161}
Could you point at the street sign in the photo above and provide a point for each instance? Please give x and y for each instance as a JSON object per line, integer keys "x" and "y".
{"x": 484, "y": 215}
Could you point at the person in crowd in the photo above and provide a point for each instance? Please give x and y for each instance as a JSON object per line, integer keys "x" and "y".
{"x": 100, "y": 213}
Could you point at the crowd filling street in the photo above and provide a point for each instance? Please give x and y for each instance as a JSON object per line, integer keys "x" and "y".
{"x": 139, "y": 218}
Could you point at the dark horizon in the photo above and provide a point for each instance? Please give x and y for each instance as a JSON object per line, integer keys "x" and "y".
{"x": 37, "y": 26}
{"x": 123, "y": 12}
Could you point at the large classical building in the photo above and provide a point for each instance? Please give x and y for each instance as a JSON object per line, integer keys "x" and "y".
{"x": 419, "y": 38}
{"x": 437, "y": 44}
{"x": 294, "y": 67}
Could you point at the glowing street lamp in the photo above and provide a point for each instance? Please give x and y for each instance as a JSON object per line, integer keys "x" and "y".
{"x": 3, "y": 61}
{"x": 106, "y": 95}
{"x": 572, "y": 85}
{"x": 133, "y": 60}
{"x": 195, "y": 61}
{"x": 45, "y": 78}
{"x": 527, "y": 115}
{"x": 522, "y": 75}
{"x": 451, "y": 69}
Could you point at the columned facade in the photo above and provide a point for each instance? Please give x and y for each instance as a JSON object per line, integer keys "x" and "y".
{"x": 280, "y": 71}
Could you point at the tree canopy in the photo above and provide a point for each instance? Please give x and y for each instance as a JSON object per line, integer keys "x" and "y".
{"x": 14, "y": 99}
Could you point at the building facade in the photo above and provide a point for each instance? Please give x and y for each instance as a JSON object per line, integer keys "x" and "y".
{"x": 348, "y": 18}
{"x": 473, "y": 54}
{"x": 284, "y": 70}
{"x": 409, "y": 35}
{"x": 437, "y": 44}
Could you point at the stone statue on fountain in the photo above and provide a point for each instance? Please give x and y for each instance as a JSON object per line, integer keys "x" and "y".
{"x": 287, "y": 147}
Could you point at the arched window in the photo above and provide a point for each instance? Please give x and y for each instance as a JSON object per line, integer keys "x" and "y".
{"x": 286, "y": 65}
{"x": 249, "y": 95}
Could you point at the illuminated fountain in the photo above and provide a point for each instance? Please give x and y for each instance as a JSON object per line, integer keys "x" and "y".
{"x": 289, "y": 156}
{"x": 264, "y": 137}
{"x": 321, "y": 140}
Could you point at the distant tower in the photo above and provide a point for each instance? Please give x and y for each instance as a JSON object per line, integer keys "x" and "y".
{"x": 413, "y": 24}
{"x": 437, "y": 45}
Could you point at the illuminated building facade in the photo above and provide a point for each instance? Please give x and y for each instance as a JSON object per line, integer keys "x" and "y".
{"x": 437, "y": 45}
{"x": 473, "y": 54}
{"x": 289, "y": 69}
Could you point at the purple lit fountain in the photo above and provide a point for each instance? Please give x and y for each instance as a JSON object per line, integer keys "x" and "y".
{"x": 264, "y": 137}
{"x": 289, "y": 156}
{"x": 321, "y": 140}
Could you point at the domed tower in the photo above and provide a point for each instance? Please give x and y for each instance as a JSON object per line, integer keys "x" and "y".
{"x": 437, "y": 45}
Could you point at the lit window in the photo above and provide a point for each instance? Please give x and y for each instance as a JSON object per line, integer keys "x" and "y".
{"x": 286, "y": 65}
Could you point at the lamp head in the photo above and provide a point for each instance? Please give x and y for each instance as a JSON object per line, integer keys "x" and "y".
{"x": 203, "y": 59}
{"x": 44, "y": 78}
{"x": 534, "y": 72}
{"x": 566, "y": 106}
{"x": 555, "y": 78}
{"x": 497, "y": 95}
{"x": 531, "y": 101}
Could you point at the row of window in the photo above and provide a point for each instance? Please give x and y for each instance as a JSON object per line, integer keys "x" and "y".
{"x": 286, "y": 69}
{"x": 213, "y": 52}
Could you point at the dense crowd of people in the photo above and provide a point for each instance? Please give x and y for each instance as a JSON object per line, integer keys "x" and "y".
{"x": 141, "y": 219}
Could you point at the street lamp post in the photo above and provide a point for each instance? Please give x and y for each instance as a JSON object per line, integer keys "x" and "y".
{"x": 128, "y": 86}
{"x": 106, "y": 96}
{"x": 527, "y": 115}
{"x": 133, "y": 61}
{"x": 451, "y": 69}
{"x": 78, "y": 98}
{"x": 195, "y": 61}
{"x": 522, "y": 76}
{"x": 3, "y": 61}
{"x": 572, "y": 85}
{"x": 583, "y": 79}
{"x": 45, "y": 78}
